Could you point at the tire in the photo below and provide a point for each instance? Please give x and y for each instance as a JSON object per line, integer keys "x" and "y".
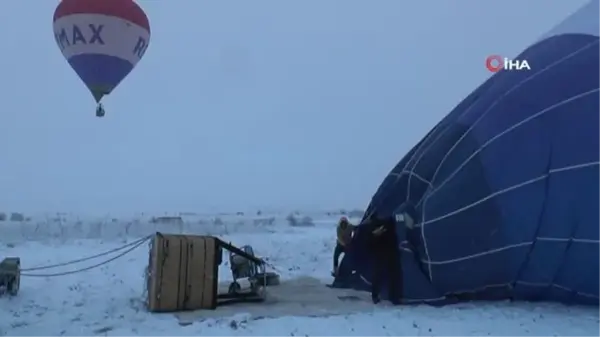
{"x": 234, "y": 288}
{"x": 13, "y": 286}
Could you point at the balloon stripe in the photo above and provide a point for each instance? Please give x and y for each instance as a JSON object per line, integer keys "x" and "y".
{"x": 100, "y": 71}
{"x": 124, "y": 9}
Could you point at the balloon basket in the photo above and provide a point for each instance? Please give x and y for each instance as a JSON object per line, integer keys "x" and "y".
{"x": 100, "y": 111}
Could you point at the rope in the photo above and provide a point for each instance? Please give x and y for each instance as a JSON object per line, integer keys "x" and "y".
{"x": 132, "y": 245}
{"x": 139, "y": 243}
{"x": 62, "y": 264}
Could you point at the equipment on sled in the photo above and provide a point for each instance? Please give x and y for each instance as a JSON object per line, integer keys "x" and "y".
{"x": 248, "y": 275}
{"x": 10, "y": 275}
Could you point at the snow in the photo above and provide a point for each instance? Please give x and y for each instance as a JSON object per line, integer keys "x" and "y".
{"x": 109, "y": 300}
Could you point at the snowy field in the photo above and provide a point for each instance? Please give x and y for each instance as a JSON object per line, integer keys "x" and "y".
{"x": 109, "y": 300}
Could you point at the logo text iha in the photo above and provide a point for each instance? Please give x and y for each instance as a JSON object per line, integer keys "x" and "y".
{"x": 495, "y": 63}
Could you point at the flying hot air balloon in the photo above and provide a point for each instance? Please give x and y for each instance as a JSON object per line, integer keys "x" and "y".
{"x": 102, "y": 40}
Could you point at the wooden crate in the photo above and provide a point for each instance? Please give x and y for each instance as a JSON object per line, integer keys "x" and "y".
{"x": 183, "y": 272}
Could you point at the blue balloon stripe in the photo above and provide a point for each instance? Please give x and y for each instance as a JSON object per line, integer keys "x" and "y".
{"x": 100, "y": 71}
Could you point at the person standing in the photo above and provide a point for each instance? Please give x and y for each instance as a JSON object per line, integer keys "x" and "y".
{"x": 387, "y": 268}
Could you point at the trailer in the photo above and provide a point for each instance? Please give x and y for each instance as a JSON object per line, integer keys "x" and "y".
{"x": 10, "y": 276}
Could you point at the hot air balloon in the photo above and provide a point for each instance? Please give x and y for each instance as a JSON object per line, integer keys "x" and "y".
{"x": 102, "y": 41}
{"x": 500, "y": 199}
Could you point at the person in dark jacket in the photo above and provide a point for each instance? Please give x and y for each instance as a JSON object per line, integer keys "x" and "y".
{"x": 387, "y": 268}
{"x": 344, "y": 232}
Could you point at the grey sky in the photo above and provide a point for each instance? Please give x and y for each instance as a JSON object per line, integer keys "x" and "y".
{"x": 245, "y": 104}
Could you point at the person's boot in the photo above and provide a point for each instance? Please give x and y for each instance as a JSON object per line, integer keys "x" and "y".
{"x": 393, "y": 297}
{"x": 375, "y": 298}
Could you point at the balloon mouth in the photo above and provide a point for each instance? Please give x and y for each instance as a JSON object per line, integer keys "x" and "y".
{"x": 99, "y": 91}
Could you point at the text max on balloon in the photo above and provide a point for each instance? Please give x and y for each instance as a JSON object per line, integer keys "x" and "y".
{"x": 90, "y": 34}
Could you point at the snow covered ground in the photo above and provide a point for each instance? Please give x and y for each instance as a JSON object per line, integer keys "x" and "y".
{"x": 109, "y": 300}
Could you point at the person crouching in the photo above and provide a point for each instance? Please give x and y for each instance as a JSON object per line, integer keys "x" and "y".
{"x": 345, "y": 230}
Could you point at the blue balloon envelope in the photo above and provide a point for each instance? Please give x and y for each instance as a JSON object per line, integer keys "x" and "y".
{"x": 502, "y": 194}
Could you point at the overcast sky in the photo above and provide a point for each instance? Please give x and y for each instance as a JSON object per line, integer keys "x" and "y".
{"x": 239, "y": 105}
